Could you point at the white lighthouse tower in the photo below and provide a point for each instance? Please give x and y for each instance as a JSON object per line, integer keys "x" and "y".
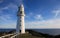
{"x": 20, "y": 22}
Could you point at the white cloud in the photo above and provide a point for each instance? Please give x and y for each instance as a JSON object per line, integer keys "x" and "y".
{"x": 6, "y": 20}
{"x": 4, "y": 8}
{"x": 56, "y": 12}
{"x": 38, "y": 17}
{"x": 28, "y": 15}
{"x": 8, "y": 25}
{"x": 5, "y": 17}
{"x": 1, "y": 1}
{"x": 52, "y": 23}
{"x": 13, "y": 6}
{"x": 10, "y": 6}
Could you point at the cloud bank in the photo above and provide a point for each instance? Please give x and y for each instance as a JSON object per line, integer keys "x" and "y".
{"x": 52, "y": 23}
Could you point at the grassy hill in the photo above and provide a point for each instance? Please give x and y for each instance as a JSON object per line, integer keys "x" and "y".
{"x": 28, "y": 36}
{"x": 34, "y": 34}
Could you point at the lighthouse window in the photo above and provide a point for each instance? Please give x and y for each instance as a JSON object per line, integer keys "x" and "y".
{"x": 21, "y": 12}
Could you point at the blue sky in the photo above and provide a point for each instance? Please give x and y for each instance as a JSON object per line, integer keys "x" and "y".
{"x": 38, "y": 13}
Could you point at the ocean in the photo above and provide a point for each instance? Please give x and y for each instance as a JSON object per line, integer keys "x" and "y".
{"x": 45, "y": 31}
{"x": 49, "y": 31}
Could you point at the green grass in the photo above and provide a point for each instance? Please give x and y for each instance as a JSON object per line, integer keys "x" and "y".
{"x": 34, "y": 34}
{"x": 27, "y": 35}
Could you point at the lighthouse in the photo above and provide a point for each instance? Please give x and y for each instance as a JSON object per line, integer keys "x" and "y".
{"x": 20, "y": 21}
